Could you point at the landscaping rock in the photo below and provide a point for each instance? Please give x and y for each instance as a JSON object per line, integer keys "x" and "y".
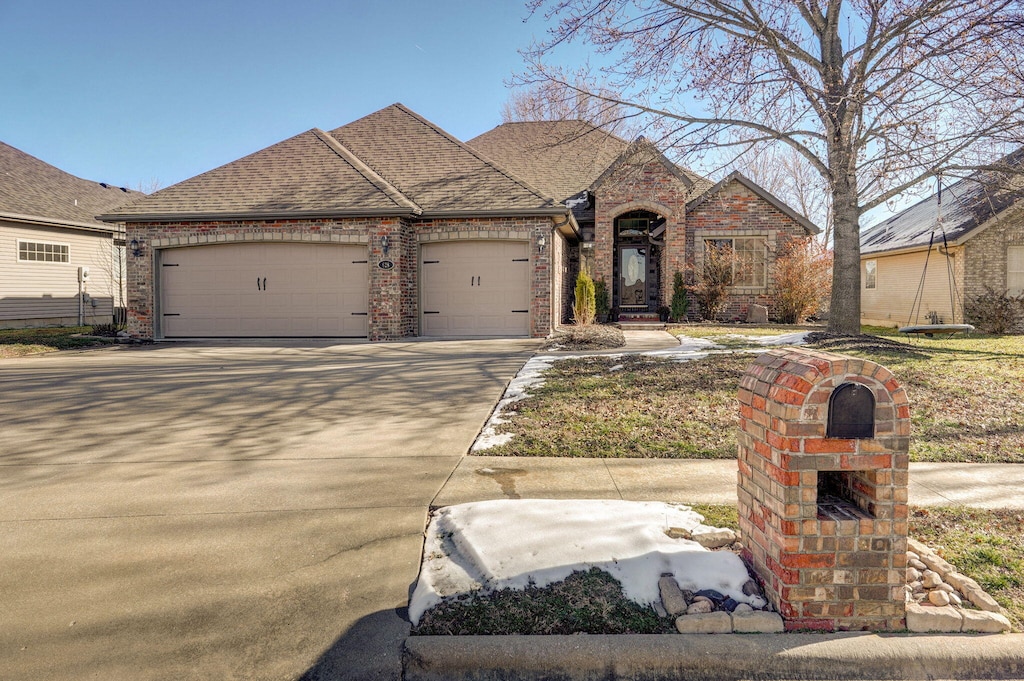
{"x": 706, "y": 623}
{"x": 913, "y": 574}
{"x": 672, "y": 596}
{"x": 713, "y": 537}
{"x": 744, "y": 607}
{"x": 916, "y": 564}
{"x": 700, "y": 607}
{"x": 757, "y": 622}
{"x": 938, "y": 598}
{"x": 757, "y": 314}
{"x": 930, "y": 579}
{"x": 750, "y": 588}
{"x": 983, "y": 622}
{"x": 928, "y": 618}
{"x": 715, "y": 597}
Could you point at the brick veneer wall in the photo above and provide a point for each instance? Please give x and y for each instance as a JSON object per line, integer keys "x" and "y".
{"x": 985, "y": 255}
{"x": 648, "y": 186}
{"x": 394, "y": 293}
{"x": 736, "y": 211}
{"x": 823, "y": 570}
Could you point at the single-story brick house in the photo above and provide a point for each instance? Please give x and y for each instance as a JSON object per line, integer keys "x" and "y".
{"x": 979, "y": 244}
{"x": 50, "y": 238}
{"x": 388, "y": 227}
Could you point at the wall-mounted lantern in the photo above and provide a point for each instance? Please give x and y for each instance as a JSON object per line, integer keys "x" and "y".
{"x": 136, "y": 246}
{"x": 385, "y": 244}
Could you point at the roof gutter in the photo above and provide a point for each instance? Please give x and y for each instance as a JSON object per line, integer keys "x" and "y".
{"x": 257, "y": 215}
{"x": 905, "y": 250}
{"x": 54, "y": 222}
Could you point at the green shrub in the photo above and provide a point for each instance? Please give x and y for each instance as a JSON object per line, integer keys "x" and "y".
{"x": 602, "y": 302}
{"x": 583, "y": 308}
{"x": 680, "y": 299}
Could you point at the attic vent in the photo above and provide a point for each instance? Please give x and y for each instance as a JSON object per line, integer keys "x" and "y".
{"x": 104, "y": 185}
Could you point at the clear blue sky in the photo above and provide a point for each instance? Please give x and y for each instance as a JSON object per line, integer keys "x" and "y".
{"x": 130, "y": 91}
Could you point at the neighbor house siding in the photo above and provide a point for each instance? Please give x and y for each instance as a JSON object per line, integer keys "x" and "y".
{"x": 46, "y": 293}
{"x": 898, "y": 278}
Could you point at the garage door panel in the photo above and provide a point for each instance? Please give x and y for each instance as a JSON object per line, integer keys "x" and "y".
{"x": 474, "y": 287}
{"x": 264, "y": 289}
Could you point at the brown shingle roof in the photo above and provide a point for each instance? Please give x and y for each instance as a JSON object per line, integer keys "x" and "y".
{"x": 37, "y": 191}
{"x": 306, "y": 174}
{"x": 434, "y": 169}
{"x": 564, "y": 158}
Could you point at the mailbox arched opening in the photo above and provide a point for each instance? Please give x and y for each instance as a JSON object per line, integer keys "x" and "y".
{"x": 851, "y": 412}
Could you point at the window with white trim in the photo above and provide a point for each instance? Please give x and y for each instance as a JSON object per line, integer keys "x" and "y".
{"x": 1015, "y": 270}
{"x": 749, "y": 259}
{"x": 870, "y": 273}
{"x": 39, "y": 251}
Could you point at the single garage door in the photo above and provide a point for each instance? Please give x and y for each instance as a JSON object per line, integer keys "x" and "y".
{"x": 263, "y": 289}
{"x": 475, "y": 288}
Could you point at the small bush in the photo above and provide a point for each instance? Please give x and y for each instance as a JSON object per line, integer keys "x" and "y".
{"x": 110, "y": 330}
{"x": 803, "y": 280}
{"x": 680, "y": 299}
{"x": 602, "y": 303}
{"x": 711, "y": 283}
{"x": 583, "y": 309}
{"x": 994, "y": 311}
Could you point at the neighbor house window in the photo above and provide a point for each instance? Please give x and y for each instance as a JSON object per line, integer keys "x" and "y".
{"x": 749, "y": 259}
{"x": 870, "y": 273}
{"x": 1015, "y": 270}
{"x": 38, "y": 251}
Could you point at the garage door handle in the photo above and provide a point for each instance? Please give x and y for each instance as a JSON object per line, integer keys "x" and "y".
{"x": 259, "y": 287}
{"x": 523, "y": 311}
{"x": 520, "y": 260}
{"x": 360, "y": 314}
{"x": 431, "y": 312}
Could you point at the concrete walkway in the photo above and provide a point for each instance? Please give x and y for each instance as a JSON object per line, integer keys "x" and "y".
{"x": 697, "y": 482}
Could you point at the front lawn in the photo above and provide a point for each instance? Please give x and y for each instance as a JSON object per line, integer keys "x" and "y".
{"x": 964, "y": 394}
{"x": 21, "y": 342}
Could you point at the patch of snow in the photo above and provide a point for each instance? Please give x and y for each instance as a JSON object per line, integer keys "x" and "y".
{"x": 688, "y": 344}
{"x": 797, "y": 338}
{"x": 510, "y": 543}
{"x": 617, "y": 367}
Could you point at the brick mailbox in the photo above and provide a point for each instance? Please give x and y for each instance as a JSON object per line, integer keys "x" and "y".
{"x": 822, "y": 450}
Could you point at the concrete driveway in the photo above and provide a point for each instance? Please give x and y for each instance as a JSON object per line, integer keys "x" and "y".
{"x": 226, "y": 511}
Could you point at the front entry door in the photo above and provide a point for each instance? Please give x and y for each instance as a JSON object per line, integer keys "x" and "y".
{"x": 633, "y": 278}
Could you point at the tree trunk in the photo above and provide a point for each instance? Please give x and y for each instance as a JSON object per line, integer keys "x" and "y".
{"x": 844, "y": 311}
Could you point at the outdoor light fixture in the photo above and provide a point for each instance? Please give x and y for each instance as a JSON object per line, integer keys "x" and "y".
{"x": 540, "y": 244}
{"x": 385, "y": 244}
{"x": 136, "y": 247}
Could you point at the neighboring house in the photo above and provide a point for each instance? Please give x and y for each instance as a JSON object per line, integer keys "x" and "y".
{"x": 979, "y": 243}
{"x": 50, "y": 238}
{"x": 389, "y": 227}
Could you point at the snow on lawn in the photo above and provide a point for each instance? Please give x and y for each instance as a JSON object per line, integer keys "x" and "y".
{"x": 510, "y": 543}
{"x": 795, "y": 338}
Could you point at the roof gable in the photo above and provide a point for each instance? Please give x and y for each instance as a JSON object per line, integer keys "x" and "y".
{"x": 36, "y": 191}
{"x": 966, "y": 205}
{"x": 709, "y": 192}
{"x": 642, "y": 152}
{"x": 308, "y": 174}
{"x": 433, "y": 168}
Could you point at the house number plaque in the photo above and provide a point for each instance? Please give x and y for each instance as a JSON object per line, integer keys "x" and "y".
{"x": 386, "y": 264}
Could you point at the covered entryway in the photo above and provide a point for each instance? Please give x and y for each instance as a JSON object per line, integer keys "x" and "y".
{"x": 263, "y": 290}
{"x": 475, "y": 288}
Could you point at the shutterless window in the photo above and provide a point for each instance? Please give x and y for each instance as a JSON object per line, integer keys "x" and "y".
{"x": 749, "y": 260}
{"x": 1015, "y": 270}
{"x": 870, "y": 273}
{"x": 38, "y": 251}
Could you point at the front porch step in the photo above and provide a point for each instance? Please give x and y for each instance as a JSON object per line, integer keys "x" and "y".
{"x": 641, "y": 326}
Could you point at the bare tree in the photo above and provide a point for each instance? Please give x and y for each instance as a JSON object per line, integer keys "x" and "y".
{"x": 553, "y": 101}
{"x": 874, "y": 95}
{"x": 783, "y": 171}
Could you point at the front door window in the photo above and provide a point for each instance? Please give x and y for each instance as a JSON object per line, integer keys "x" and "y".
{"x": 633, "y": 277}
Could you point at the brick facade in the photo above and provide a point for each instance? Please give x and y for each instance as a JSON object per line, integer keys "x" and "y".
{"x": 733, "y": 211}
{"x": 394, "y": 293}
{"x": 985, "y": 256}
{"x": 736, "y": 211}
{"x": 825, "y": 564}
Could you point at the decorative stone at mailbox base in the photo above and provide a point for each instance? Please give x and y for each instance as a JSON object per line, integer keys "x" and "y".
{"x": 824, "y": 519}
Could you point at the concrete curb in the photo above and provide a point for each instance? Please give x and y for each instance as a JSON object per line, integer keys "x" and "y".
{"x": 713, "y": 657}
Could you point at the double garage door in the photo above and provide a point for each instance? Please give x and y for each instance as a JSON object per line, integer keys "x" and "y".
{"x": 467, "y": 288}
{"x": 264, "y": 289}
